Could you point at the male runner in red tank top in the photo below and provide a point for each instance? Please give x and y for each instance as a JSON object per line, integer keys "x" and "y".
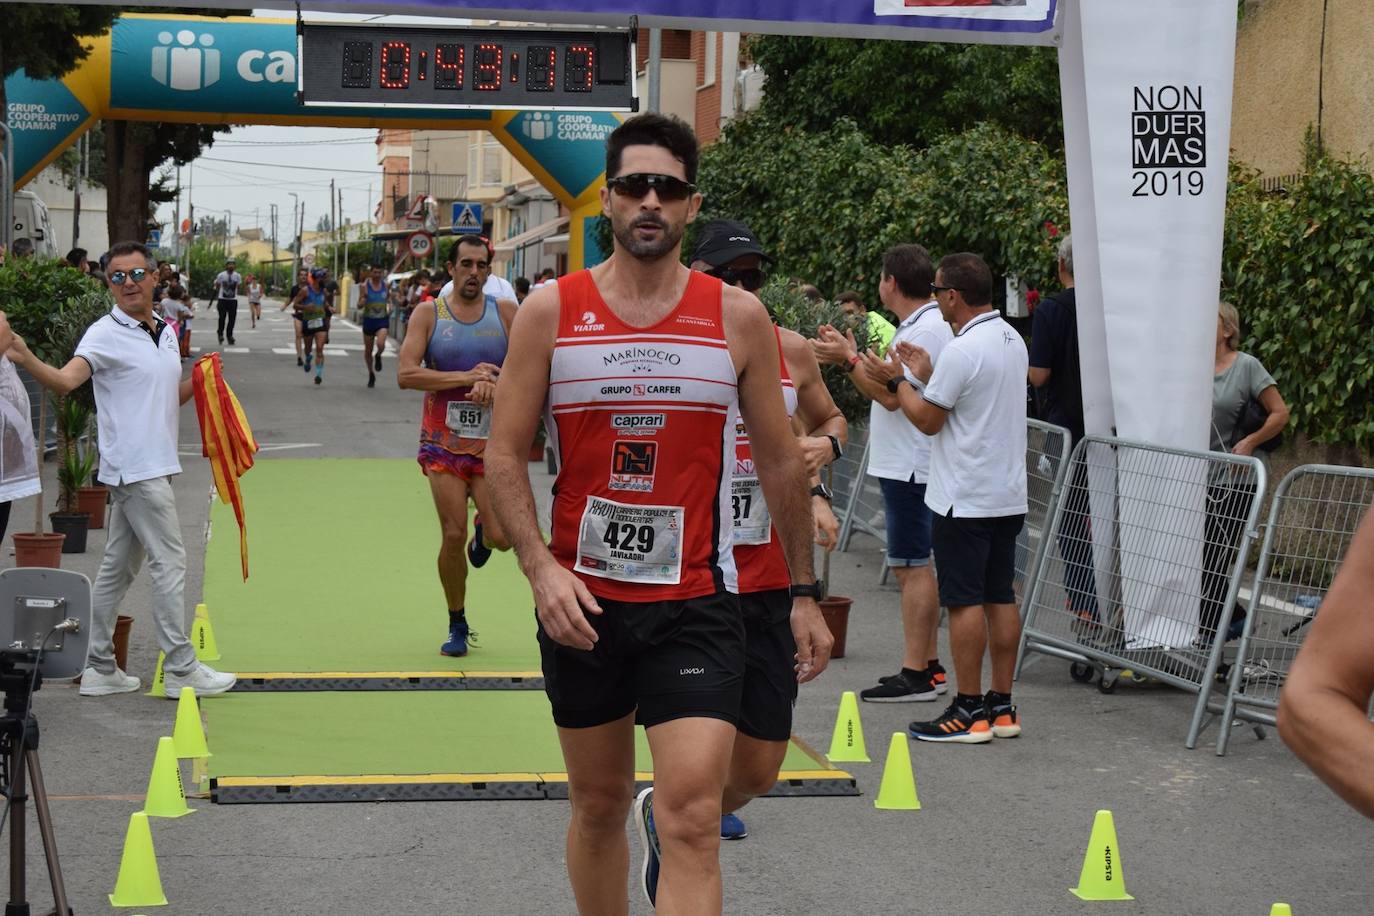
{"x": 642, "y": 363}
{"x": 729, "y": 251}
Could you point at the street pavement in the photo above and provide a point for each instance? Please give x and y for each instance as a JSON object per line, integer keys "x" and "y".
{"x": 1002, "y": 830}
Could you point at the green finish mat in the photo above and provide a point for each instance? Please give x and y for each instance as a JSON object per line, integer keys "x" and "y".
{"x": 342, "y": 577}
{"x": 362, "y": 746}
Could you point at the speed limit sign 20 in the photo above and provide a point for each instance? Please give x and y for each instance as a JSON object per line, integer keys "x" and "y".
{"x": 420, "y": 244}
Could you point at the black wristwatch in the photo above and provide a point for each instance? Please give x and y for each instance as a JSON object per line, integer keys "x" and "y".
{"x": 894, "y": 383}
{"x": 823, "y": 492}
{"x": 814, "y": 590}
{"x": 835, "y": 447}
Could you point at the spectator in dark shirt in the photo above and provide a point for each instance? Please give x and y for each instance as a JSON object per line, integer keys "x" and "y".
{"x": 1055, "y": 373}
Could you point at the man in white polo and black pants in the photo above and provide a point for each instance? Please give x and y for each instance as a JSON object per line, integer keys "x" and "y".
{"x": 973, "y": 404}
{"x": 134, "y": 360}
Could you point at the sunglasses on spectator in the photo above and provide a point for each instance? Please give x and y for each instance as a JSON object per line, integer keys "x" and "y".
{"x": 751, "y": 278}
{"x": 936, "y": 290}
{"x": 639, "y": 184}
{"x": 119, "y": 276}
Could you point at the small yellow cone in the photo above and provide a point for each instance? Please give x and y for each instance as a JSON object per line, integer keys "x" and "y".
{"x": 1102, "y": 878}
{"x": 847, "y": 742}
{"x": 1280, "y": 909}
{"x": 138, "y": 883}
{"x": 189, "y": 734}
{"x": 159, "y": 688}
{"x": 203, "y": 636}
{"x": 898, "y": 789}
{"x": 166, "y": 797}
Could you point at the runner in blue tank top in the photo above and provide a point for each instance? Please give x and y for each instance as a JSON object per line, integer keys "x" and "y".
{"x": 374, "y": 303}
{"x": 453, "y": 350}
{"x": 310, "y": 301}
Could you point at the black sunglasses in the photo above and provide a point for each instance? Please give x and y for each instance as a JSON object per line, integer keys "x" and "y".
{"x": 936, "y": 290}
{"x": 119, "y": 276}
{"x": 751, "y": 278}
{"x": 639, "y": 184}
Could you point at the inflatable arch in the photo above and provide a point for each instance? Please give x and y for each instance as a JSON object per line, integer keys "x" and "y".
{"x": 243, "y": 71}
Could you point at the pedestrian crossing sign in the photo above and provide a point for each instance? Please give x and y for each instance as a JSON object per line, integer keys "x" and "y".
{"x": 467, "y": 217}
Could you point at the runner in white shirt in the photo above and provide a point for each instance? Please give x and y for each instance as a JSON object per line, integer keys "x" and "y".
{"x": 973, "y": 404}
{"x": 254, "y": 299}
{"x": 899, "y": 457}
{"x": 227, "y": 300}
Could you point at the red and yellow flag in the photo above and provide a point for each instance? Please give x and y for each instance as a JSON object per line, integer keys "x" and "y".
{"x": 225, "y": 437}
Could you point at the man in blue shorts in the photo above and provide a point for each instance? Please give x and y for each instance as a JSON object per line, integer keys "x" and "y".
{"x": 374, "y": 303}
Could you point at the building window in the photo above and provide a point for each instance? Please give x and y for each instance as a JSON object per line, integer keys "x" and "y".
{"x": 491, "y": 163}
{"x": 709, "y": 65}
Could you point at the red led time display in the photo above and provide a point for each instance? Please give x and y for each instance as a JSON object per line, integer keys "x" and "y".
{"x": 486, "y": 67}
{"x": 448, "y": 66}
{"x": 539, "y": 70}
{"x": 580, "y": 67}
{"x": 395, "y": 64}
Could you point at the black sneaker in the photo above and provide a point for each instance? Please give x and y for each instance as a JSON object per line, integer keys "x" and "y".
{"x": 956, "y": 725}
{"x": 377, "y": 362}
{"x": 1002, "y": 718}
{"x": 299, "y": 361}
{"x": 899, "y": 688}
{"x": 371, "y": 380}
{"x": 935, "y": 671}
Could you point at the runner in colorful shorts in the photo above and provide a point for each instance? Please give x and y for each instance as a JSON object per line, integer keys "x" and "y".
{"x": 310, "y": 302}
{"x": 453, "y": 351}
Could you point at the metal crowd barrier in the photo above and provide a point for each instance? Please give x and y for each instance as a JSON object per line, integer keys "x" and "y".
{"x": 1316, "y": 510}
{"x": 1152, "y": 547}
{"x": 1047, "y": 465}
{"x": 857, "y": 492}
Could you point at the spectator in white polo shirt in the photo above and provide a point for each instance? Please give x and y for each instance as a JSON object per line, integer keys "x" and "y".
{"x": 135, "y": 364}
{"x": 973, "y": 403}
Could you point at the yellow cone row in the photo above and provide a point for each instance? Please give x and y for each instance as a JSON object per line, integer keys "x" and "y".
{"x": 139, "y": 883}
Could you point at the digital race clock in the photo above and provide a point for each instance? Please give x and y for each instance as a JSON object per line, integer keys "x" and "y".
{"x": 345, "y": 64}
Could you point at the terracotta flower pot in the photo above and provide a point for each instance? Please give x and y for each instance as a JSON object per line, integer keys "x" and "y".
{"x": 92, "y": 500}
{"x": 835, "y": 610}
{"x": 38, "y": 549}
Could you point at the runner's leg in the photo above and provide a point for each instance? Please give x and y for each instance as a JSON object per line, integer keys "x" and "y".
{"x": 450, "y": 493}
{"x": 754, "y": 766}
{"x": 691, "y": 759}
{"x": 492, "y": 534}
{"x": 601, "y": 763}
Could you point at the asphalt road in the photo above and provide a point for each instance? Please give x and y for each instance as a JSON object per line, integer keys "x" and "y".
{"x": 1002, "y": 830}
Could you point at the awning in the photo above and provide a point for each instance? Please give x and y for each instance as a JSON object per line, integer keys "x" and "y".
{"x": 556, "y": 244}
{"x": 507, "y": 248}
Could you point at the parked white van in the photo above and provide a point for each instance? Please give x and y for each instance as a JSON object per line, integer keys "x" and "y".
{"x": 31, "y": 221}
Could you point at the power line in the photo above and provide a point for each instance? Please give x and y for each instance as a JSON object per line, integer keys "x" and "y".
{"x": 342, "y": 140}
{"x": 318, "y": 168}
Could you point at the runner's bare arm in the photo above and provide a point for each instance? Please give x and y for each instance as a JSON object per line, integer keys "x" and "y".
{"x": 1323, "y": 710}
{"x": 781, "y": 468}
{"x": 411, "y": 371}
{"x": 560, "y": 598}
{"x": 820, "y": 417}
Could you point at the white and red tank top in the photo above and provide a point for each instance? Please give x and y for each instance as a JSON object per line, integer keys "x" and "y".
{"x": 758, "y": 551}
{"x": 643, "y": 421}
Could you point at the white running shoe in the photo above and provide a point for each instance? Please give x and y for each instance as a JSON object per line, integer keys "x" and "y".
{"x": 95, "y": 684}
{"x": 204, "y": 680}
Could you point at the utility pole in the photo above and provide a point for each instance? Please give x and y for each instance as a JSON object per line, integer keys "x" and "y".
{"x": 274, "y": 244}
{"x": 333, "y": 234}
{"x": 296, "y": 252}
{"x": 76, "y": 188}
{"x": 343, "y": 236}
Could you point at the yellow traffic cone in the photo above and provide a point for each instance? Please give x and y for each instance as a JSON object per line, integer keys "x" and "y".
{"x": 1280, "y": 909}
{"x": 898, "y": 789}
{"x": 203, "y": 636}
{"x": 847, "y": 742}
{"x": 1102, "y": 878}
{"x": 138, "y": 883}
{"x": 159, "y": 688}
{"x": 166, "y": 797}
{"x": 189, "y": 735}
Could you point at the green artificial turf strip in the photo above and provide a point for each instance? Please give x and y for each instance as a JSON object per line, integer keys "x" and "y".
{"x": 342, "y": 576}
{"x": 384, "y": 733}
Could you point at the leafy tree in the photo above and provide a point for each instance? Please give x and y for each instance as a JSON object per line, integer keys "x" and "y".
{"x": 909, "y": 92}
{"x": 47, "y": 40}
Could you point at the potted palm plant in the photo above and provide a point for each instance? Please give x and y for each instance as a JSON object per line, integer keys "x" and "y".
{"x": 73, "y": 471}
{"x": 50, "y": 304}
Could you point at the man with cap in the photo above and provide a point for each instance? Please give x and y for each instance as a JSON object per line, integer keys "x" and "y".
{"x": 729, "y": 251}
{"x": 227, "y": 300}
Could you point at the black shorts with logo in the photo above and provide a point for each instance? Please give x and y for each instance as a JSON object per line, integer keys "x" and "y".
{"x": 662, "y": 660}
{"x": 770, "y": 675}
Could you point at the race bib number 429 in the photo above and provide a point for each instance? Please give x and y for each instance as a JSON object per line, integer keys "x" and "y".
{"x": 630, "y": 543}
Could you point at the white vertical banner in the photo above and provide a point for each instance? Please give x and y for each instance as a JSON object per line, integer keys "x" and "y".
{"x": 1158, "y": 79}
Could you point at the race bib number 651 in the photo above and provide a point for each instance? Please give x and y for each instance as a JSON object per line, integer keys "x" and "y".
{"x": 468, "y": 420}
{"x": 630, "y": 543}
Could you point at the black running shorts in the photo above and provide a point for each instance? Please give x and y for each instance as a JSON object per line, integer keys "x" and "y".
{"x": 662, "y": 660}
{"x": 770, "y": 675}
{"x": 975, "y": 559}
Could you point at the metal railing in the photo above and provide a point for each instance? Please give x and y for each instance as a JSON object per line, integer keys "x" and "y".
{"x": 1160, "y": 536}
{"x": 1316, "y": 511}
{"x": 1047, "y": 466}
{"x": 857, "y": 492}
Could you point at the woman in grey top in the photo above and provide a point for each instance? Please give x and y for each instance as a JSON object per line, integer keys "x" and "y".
{"x": 1238, "y": 379}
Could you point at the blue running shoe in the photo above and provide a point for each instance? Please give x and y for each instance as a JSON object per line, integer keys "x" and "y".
{"x": 648, "y": 838}
{"x": 478, "y": 552}
{"x": 732, "y": 828}
{"x": 459, "y": 636}
{"x": 308, "y": 359}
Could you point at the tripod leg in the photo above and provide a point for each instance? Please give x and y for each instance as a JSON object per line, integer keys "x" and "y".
{"x": 40, "y": 804}
{"x": 18, "y": 904}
